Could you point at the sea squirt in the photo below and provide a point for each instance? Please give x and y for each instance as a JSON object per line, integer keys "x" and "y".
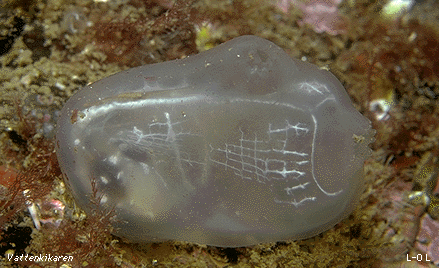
{"x": 232, "y": 147}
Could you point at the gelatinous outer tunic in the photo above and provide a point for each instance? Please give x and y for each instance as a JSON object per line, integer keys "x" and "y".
{"x": 231, "y": 147}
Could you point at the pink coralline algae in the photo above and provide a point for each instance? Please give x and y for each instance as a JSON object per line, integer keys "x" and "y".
{"x": 428, "y": 238}
{"x": 322, "y": 15}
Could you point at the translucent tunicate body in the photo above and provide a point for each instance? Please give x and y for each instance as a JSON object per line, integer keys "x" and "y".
{"x": 235, "y": 146}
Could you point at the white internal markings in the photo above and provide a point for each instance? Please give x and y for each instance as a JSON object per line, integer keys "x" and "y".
{"x": 171, "y": 135}
{"x": 314, "y": 87}
{"x": 160, "y": 142}
{"x": 295, "y": 202}
{"x": 299, "y": 131}
{"x": 162, "y": 138}
{"x": 271, "y": 162}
